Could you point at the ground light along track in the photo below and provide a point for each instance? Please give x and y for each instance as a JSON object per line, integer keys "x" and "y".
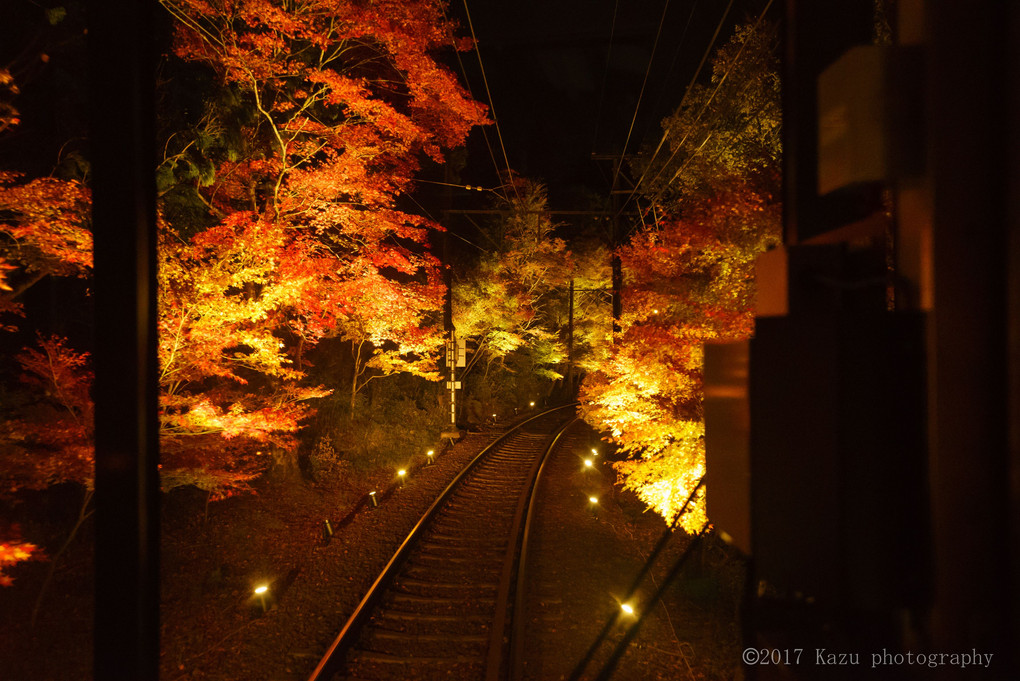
{"x": 440, "y": 607}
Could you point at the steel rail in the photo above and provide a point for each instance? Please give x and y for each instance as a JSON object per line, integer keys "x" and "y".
{"x": 329, "y": 664}
{"x": 516, "y": 657}
{"x": 518, "y": 547}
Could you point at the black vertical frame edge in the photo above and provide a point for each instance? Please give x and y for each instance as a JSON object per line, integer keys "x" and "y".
{"x": 121, "y": 127}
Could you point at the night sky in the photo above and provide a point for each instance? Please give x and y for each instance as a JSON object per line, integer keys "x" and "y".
{"x": 564, "y": 90}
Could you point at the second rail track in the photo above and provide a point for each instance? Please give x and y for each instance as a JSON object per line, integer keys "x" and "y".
{"x": 441, "y": 607}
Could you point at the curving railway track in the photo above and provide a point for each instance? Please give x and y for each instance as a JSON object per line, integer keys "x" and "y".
{"x": 442, "y": 606}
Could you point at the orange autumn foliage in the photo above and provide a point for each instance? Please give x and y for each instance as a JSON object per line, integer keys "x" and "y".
{"x": 49, "y": 439}
{"x": 278, "y": 225}
{"x": 343, "y": 99}
{"x": 713, "y": 206}
{"x": 44, "y": 231}
{"x": 14, "y": 550}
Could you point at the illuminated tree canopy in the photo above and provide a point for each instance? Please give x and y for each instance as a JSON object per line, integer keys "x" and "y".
{"x": 504, "y": 302}
{"x": 711, "y": 197}
{"x": 288, "y": 133}
{"x": 331, "y": 106}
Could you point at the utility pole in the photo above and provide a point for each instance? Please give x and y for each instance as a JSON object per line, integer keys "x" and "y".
{"x": 615, "y": 263}
{"x": 617, "y": 266}
{"x": 455, "y": 352}
{"x": 570, "y": 338}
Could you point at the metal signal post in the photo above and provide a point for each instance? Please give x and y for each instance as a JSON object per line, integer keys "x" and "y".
{"x": 456, "y": 356}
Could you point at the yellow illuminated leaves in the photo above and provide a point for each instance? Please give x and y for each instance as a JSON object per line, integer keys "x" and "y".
{"x": 505, "y": 302}
{"x": 688, "y": 274}
{"x": 277, "y": 228}
{"x": 48, "y": 225}
{"x": 14, "y": 550}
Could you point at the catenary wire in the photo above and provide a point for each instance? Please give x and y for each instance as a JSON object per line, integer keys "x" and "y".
{"x": 637, "y": 107}
{"x": 669, "y": 72}
{"x": 492, "y": 106}
{"x": 448, "y": 231}
{"x": 687, "y": 92}
{"x": 704, "y": 107}
{"x": 697, "y": 151}
{"x": 467, "y": 84}
{"x": 605, "y": 78}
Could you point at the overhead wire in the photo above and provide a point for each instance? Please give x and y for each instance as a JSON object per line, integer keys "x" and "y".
{"x": 697, "y": 151}
{"x": 430, "y": 217}
{"x": 704, "y": 107}
{"x": 672, "y": 66}
{"x": 690, "y": 86}
{"x": 718, "y": 87}
{"x": 605, "y": 78}
{"x": 469, "y": 242}
{"x": 637, "y": 107}
{"x": 469, "y": 187}
{"x": 467, "y": 84}
{"x": 492, "y": 106}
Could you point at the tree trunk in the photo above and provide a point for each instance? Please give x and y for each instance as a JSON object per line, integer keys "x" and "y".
{"x": 356, "y": 351}
{"x": 83, "y": 515}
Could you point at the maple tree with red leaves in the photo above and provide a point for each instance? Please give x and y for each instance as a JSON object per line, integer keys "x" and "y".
{"x": 300, "y": 238}
{"x": 48, "y": 440}
{"x": 290, "y": 130}
{"x": 712, "y": 199}
{"x": 45, "y": 435}
{"x": 44, "y": 231}
{"x": 9, "y": 116}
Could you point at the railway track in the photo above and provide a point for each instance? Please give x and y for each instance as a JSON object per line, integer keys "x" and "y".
{"x": 441, "y": 607}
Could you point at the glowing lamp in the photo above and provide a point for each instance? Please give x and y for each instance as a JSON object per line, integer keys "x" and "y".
{"x": 593, "y": 500}
{"x": 594, "y": 452}
{"x": 430, "y": 454}
{"x": 627, "y": 608}
{"x": 371, "y": 495}
{"x": 532, "y": 404}
{"x": 402, "y": 474}
{"x": 587, "y": 463}
{"x": 260, "y": 591}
